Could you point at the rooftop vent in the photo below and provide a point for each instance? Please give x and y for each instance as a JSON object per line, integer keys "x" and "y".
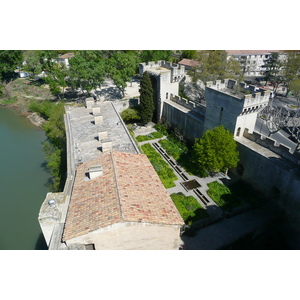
{"x": 95, "y": 171}
{"x": 98, "y": 118}
{"x": 96, "y": 109}
{"x": 52, "y": 202}
{"x": 106, "y": 145}
{"x": 102, "y": 134}
{"x": 89, "y": 102}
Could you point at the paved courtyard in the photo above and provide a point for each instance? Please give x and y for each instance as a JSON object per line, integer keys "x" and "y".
{"x": 219, "y": 234}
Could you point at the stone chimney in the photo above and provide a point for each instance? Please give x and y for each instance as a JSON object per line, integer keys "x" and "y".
{"x": 102, "y": 134}
{"x": 95, "y": 171}
{"x": 98, "y": 118}
{"x": 96, "y": 109}
{"x": 89, "y": 102}
{"x": 106, "y": 145}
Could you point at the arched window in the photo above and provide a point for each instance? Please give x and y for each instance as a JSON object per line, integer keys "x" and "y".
{"x": 238, "y": 131}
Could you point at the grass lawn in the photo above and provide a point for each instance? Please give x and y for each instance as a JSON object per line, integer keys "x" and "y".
{"x": 189, "y": 208}
{"x": 163, "y": 170}
{"x": 150, "y": 136}
{"x": 223, "y": 196}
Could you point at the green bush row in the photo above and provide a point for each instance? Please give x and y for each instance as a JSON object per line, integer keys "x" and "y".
{"x": 163, "y": 170}
{"x": 150, "y": 136}
{"x": 173, "y": 149}
{"x": 189, "y": 208}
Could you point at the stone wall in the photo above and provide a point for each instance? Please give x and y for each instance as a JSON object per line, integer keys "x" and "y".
{"x": 222, "y": 109}
{"x": 194, "y": 106}
{"x": 132, "y": 236}
{"x": 124, "y": 104}
{"x": 271, "y": 144}
{"x": 189, "y": 122}
{"x": 270, "y": 174}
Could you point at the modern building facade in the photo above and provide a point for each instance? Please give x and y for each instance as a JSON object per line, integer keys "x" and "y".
{"x": 253, "y": 61}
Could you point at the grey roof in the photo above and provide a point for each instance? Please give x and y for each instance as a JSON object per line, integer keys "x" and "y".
{"x": 84, "y": 132}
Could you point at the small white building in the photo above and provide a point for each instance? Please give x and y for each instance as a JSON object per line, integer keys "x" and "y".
{"x": 65, "y": 58}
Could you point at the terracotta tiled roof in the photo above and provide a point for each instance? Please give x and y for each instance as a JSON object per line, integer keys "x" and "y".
{"x": 188, "y": 62}
{"x": 248, "y": 52}
{"x": 66, "y": 55}
{"x": 128, "y": 191}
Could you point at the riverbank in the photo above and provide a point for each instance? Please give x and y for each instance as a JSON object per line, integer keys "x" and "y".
{"x": 33, "y": 117}
{"x": 17, "y": 96}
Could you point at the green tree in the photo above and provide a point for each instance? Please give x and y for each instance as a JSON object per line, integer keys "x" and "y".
{"x": 122, "y": 67}
{"x": 273, "y": 66}
{"x": 155, "y": 55}
{"x": 9, "y": 60}
{"x": 189, "y": 54}
{"x": 291, "y": 69}
{"x": 216, "y": 150}
{"x": 53, "y": 157}
{"x": 32, "y": 59}
{"x": 87, "y": 69}
{"x": 146, "y": 108}
{"x": 214, "y": 65}
{"x": 47, "y": 59}
{"x": 57, "y": 79}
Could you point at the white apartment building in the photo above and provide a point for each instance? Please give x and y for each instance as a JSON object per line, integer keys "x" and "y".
{"x": 253, "y": 61}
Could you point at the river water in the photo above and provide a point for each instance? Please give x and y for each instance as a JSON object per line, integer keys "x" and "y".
{"x": 23, "y": 182}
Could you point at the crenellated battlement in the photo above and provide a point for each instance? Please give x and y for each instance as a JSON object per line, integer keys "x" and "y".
{"x": 254, "y": 97}
{"x": 273, "y": 145}
{"x": 156, "y": 68}
{"x": 196, "y": 107}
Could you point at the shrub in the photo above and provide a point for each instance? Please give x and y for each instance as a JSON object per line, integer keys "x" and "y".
{"x": 173, "y": 149}
{"x": 162, "y": 129}
{"x": 130, "y": 115}
{"x": 150, "y": 136}
{"x": 55, "y": 147}
{"x": 189, "y": 208}
{"x": 223, "y": 196}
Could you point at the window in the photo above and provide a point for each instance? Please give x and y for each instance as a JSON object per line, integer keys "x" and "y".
{"x": 90, "y": 247}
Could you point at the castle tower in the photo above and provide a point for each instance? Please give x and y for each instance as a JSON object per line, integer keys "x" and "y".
{"x": 165, "y": 78}
{"x": 233, "y": 105}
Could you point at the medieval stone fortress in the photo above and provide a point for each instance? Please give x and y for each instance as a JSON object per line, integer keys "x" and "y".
{"x": 113, "y": 198}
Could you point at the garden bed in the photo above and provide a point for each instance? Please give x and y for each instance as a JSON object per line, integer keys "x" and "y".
{"x": 150, "y": 136}
{"x": 189, "y": 208}
{"x": 163, "y": 170}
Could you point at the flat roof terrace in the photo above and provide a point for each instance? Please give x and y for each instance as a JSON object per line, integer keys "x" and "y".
{"x": 84, "y": 132}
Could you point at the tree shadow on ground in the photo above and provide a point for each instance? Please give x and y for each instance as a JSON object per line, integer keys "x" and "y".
{"x": 110, "y": 93}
